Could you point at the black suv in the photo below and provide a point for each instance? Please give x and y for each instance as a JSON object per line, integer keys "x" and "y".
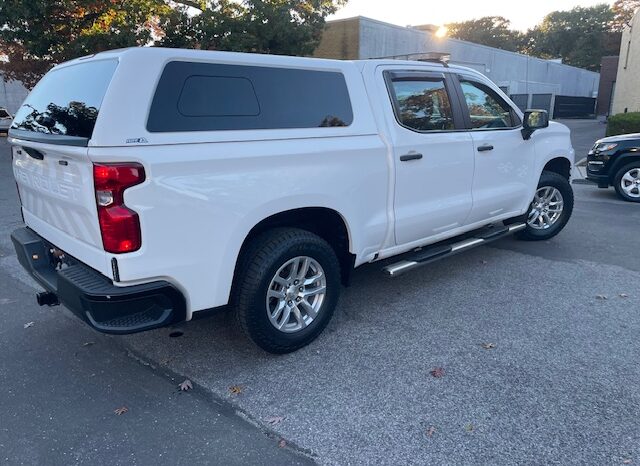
{"x": 615, "y": 161}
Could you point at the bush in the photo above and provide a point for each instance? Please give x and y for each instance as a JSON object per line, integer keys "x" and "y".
{"x": 623, "y": 123}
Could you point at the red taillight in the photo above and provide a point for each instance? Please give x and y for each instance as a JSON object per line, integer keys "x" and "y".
{"x": 119, "y": 225}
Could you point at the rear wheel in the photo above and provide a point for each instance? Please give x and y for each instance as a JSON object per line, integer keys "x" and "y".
{"x": 551, "y": 208}
{"x": 287, "y": 289}
{"x": 627, "y": 182}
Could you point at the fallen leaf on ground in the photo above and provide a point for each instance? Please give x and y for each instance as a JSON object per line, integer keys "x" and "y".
{"x": 601, "y": 296}
{"x": 469, "y": 427}
{"x": 235, "y": 390}
{"x": 89, "y": 343}
{"x": 626, "y": 461}
{"x": 120, "y": 411}
{"x": 282, "y": 443}
{"x": 274, "y": 420}
{"x": 437, "y": 372}
{"x": 484, "y": 262}
{"x": 29, "y": 324}
{"x": 186, "y": 385}
{"x": 488, "y": 345}
{"x": 430, "y": 431}
{"x": 624, "y": 295}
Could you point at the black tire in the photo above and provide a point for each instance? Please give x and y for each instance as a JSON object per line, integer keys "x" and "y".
{"x": 617, "y": 181}
{"x": 562, "y": 184}
{"x": 259, "y": 263}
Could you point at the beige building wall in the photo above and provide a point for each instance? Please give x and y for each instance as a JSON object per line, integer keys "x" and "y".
{"x": 627, "y": 90}
{"x": 341, "y": 40}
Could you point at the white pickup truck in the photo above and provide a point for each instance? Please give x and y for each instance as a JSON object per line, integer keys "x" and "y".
{"x": 159, "y": 183}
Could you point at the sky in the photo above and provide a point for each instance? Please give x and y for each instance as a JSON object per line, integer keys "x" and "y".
{"x": 523, "y": 14}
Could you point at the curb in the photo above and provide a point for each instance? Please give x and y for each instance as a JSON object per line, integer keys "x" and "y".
{"x": 579, "y": 174}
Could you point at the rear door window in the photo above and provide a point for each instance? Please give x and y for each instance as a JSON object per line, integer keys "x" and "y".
{"x": 66, "y": 102}
{"x": 423, "y": 104}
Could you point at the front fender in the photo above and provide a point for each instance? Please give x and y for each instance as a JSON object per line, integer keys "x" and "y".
{"x": 552, "y": 143}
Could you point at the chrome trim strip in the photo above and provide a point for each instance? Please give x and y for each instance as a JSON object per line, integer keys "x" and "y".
{"x": 466, "y": 244}
{"x": 396, "y": 269}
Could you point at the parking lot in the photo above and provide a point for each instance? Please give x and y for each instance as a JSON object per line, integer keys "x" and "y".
{"x": 537, "y": 342}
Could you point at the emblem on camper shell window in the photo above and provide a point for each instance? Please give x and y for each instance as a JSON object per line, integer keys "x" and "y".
{"x": 137, "y": 141}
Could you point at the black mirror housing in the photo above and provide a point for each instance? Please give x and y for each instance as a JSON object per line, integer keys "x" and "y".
{"x": 534, "y": 120}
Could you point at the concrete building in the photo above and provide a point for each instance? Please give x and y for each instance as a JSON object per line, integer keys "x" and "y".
{"x": 12, "y": 94}
{"x": 531, "y": 82}
{"x": 627, "y": 92}
{"x": 606, "y": 91}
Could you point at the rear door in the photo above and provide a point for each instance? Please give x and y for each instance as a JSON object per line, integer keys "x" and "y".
{"x": 50, "y": 134}
{"x": 433, "y": 155}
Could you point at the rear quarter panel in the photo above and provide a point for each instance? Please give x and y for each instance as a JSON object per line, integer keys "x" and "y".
{"x": 200, "y": 201}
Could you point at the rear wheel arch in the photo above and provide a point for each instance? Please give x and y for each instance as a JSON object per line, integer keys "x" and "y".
{"x": 327, "y": 223}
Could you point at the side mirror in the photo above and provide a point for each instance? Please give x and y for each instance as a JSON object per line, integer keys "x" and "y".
{"x": 534, "y": 120}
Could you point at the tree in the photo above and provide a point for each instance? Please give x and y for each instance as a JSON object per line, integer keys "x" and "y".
{"x": 581, "y": 36}
{"x": 289, "y": 27}
{"x": 493, "y": 31}
{"x": 36, "y": 34}
{"x": 623, "y": 11}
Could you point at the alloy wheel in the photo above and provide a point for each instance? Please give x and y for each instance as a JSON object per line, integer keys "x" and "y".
{"x": 295, "y": 294}
{"x": 546, "y": 208}
{"x": 630, "y": 183}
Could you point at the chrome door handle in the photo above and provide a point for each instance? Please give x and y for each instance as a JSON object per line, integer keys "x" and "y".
{"x": 410, "y": 156}
{"x": 485, "y": 148}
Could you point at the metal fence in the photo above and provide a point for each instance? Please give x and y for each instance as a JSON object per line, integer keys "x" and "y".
{"x": 574, "y": 107}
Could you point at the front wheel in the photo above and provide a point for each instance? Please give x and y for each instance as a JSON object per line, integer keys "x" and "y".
{"x": 627, "y": 182}
{"x": 286, "y": 290}
{"x": 551, "y": 208}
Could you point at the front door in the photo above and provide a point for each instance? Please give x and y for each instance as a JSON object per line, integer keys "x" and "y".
{"x": 504, "y": 161}
{"x": 433, "y": 155}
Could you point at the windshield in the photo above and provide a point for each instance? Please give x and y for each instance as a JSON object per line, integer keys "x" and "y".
{"x": 66, "y": 101}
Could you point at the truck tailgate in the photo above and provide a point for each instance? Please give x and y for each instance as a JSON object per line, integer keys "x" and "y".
{"x": 58, "y": 201}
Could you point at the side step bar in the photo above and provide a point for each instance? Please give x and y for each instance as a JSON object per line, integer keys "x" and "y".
{"x": 438, "y": 251}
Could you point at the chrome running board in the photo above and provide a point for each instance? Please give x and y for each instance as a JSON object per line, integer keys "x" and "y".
{"x": 439, "y": 251}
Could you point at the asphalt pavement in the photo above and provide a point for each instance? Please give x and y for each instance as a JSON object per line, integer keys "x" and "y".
{"x": 62, "y": 383}
{"x": 584, "y": 133}
{"x": 534, "y": 344}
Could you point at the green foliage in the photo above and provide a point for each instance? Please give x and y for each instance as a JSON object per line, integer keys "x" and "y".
{"x": 623, "y": 11}
{"x": 36, "y": 34}
{"x": 623, "y": 123}
{"x": 581, "y": 36}
{"x": 493, "y": 31}
{"x": 288, "y": 27}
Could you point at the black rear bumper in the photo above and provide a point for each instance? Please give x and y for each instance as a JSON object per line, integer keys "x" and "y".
{"x": 93, "y": 297}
